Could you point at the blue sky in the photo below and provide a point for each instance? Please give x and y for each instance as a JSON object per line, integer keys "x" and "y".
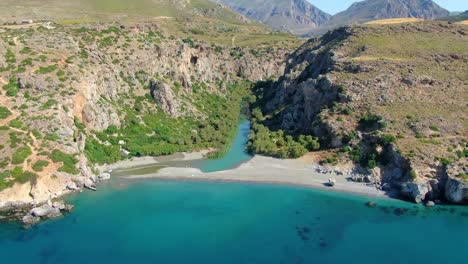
{"x": 335, "y": 6}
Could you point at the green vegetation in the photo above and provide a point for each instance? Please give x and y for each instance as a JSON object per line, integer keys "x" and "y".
{"x": 46, "y": 70}
{"x": 413, "y": 175}
{"x": 16, "y": 123}
{"x": 155, "y": 133}
{"x": 40, "y": 165}
{"x": 277, "y": 144}
{"x": 371, "y": 122}
{"x": 101, "y": 154}
{"x": 20, "y": 155}
{"x": 69, "y": 161}
{"x": 4, "y": 112}
{"x": 387, "y": 139}
{"x": 23, "y": 176}
{"x": 11, "y": 88}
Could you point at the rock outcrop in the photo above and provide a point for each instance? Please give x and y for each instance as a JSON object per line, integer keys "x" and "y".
{"x": 456, "y": 190}
{"x": 372, "y": 110}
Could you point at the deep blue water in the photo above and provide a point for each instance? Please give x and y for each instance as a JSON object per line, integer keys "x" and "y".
{"x": 153, "y": 221}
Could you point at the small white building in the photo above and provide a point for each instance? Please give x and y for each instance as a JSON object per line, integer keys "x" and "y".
{"x": 29, "y": 21}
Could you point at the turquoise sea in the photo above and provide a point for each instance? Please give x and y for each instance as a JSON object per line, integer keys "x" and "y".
{"x": 154, "y": 221}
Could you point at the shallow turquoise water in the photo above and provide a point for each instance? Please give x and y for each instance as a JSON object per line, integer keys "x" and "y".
{"x": 200, "y": 222}
{"x": 154, "y": 221}
{"x": 236, "y": 155}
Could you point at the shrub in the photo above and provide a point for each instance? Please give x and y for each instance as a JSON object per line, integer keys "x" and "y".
{"x": 101, "y": 154}
{"x": 387, "y": 139}
{"x": 39, "y": 165}
{"x": 69, "y": 161}
{"x": 4, "y": 112}
{"x": 370, "y": 120}
{"x": 413, "y": 175}
{"x": 355, "y": 154}
{"x": 309, "y": 142}
{"x": 16, "y": 123}
{"x": 433, "y": 128}
{"x": 23, "y": 176}
{"x": 371, "y": 163}
{"x": 11, "y": 88}
{"x": 347, "y": 111}
{"x": 45, "y": 70}
{"x": 20, "y": 155}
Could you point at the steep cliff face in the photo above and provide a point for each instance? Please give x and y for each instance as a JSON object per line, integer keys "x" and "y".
{"x": 296, "y": 16}
{"x": 388, "y": 99}
{"x": 60, "y": 85}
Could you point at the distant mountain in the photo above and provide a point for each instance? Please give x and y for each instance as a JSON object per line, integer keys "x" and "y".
{"x": 456, "y": 18}
{"x": 369, "y": 10}
{"x": 296, "y": 16}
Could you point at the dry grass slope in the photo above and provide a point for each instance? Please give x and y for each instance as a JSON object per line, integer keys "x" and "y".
{"x": 394, "y": 21}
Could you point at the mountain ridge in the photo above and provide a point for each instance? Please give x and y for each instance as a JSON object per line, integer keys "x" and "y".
{"x": 296, "y": 16}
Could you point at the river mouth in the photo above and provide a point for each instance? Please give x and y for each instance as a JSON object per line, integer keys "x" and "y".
{"x": 167, "y": 221}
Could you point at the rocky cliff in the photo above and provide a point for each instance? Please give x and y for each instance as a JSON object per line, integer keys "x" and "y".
{"x": 388, "y": 99}
{"x": 80, "y": 92}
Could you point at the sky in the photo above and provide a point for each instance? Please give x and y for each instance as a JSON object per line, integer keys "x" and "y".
{"x": 335, "y": 6}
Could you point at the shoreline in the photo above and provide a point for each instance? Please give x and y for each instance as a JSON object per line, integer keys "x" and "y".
{"x": 268, "y": 170}
{"x": 141, "y": 162}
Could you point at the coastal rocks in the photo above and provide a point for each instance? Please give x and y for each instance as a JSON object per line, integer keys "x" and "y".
{"x": 416, "y": 191}
{"x": 45, "y": 211}
{"x": 72, "y": 186}
{"x": 104, "y": 176}
{"x": 456, "y": 190}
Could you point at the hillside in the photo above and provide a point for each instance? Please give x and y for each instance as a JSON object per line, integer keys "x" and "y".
{"x": 296, "y": 16}
{"x": 387, "y": 100}
{"x": 368, "y": 10}
{"x": 198, "y": 19}
{"x": 456, "y": 18}
{"x": 76, "y": 96}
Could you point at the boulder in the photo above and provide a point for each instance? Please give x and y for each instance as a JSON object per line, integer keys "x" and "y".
{"x": 430, "y": 204}
{"x": 88, "y": 183}
{"x": 416, "y": 191}
{"x": 29, "y": 220}
{"x": 72, "y": 186}
{"x": 456, "y": 190}
{"x": 45, "y": 210}
{"x": 104, "y": 176}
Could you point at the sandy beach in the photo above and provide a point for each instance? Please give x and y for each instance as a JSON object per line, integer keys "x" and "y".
{"x": 137, "y": 162}
{"x": 269, "y": 170}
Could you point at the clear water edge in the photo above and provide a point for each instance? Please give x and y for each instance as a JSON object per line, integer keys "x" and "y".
{"x": 149, "y": 221}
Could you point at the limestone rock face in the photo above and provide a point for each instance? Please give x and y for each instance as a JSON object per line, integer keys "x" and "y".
{"x": 456, "y": 190}
{"x": 165, "y": 98}
{"x": 45, "y": 210}
{"x": 416, "y": 190}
